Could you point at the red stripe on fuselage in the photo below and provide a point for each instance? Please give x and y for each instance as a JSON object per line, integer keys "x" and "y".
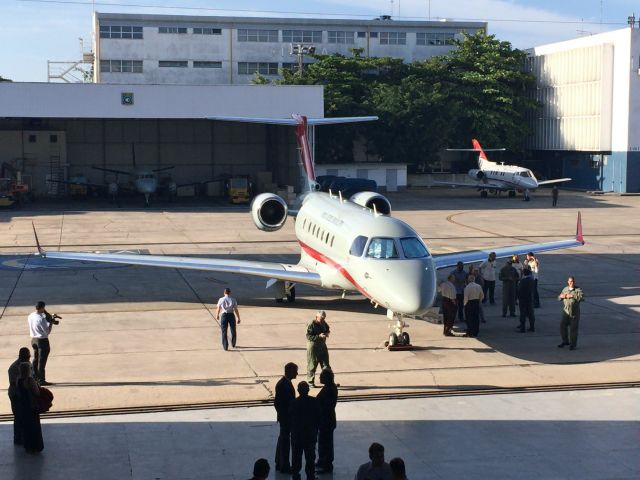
{"x": 328, "y": 261}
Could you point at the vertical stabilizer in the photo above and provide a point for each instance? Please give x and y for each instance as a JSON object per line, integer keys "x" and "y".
{"x": 482, "y": 157}
{"x": 303, "y": 146}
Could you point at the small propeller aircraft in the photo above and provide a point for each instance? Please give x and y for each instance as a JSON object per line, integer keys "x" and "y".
{"x": 346, "y": 244}
{"x": 498, "y": 177}
{"x": 143, "y": 180}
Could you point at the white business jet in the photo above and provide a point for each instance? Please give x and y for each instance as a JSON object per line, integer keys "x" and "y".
{"x": 347, "y": 244}
{"x": 498, "y": 177}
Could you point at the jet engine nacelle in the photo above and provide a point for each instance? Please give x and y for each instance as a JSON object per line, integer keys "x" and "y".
{"x": 269, "y": 212}
{"x": 476, "y": 174}
{"x": 369, "y": 199}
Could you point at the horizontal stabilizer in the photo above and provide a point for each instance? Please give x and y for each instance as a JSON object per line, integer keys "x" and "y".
{"x": 292, "y": 121}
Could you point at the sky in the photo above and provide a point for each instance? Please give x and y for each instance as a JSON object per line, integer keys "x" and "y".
{"x": 33, "y": 32}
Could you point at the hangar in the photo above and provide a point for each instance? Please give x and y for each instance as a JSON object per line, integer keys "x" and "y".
{"x": 60, "y": 131}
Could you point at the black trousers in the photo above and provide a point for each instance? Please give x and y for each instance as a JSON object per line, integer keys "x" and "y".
{"x": 228, "y": 321}
{"x": 472, "y": 311}
{"x": 41, "y": 349}
{"x": 449, "y": 314}
{"x": 325, "y": 448}
{"x": 460, "y": 301}
{"x": 298, "y": 447}
{"x": 508, "y": 298}
{"x": 17, "y": 424}
{"x": 283, "y": 447}
{"x": 536, "y": 295}
{"x": 489, "y": 287}
{"x": 526, "y": 311}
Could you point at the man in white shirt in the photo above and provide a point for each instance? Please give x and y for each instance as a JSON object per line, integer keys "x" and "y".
{"x": 377, "y": 468}
{"x": 472, "y": 297}
{"x": 488, "y": 272}
{"x": 228, "y": 306}
{"x": 449, "y": 308}
{"x": 39, "y": 329}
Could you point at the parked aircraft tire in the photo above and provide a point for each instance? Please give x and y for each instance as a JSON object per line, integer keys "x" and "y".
{"x": 405, "y": 339}
{"x": 393, "y": 340}
{"x": 291, "y": 296}
{"x": 484, "y": 194}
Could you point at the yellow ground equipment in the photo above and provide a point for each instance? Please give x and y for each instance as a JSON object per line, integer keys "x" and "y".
{"x": 239, "y": 189}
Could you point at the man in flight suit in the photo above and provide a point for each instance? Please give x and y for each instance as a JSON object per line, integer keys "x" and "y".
{"x": 509, "y": 276}
{"x": 317, "y": 352}
{"x": 571, "y": 297}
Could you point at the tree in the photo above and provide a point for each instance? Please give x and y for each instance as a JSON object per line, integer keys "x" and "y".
{"x": 2, "y": 79}
{"x": 489, "y": 90}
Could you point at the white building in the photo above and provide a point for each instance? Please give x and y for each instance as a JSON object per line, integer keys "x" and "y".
{"x": 589, "y": 124}
{"x": 164, "y": 49}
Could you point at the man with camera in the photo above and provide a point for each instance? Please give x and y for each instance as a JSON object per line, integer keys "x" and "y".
{"x": 40, "y": 324}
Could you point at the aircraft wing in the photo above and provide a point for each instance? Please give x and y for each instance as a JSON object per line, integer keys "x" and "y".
{"x": 82, "y": 184}
{"x": 557, "y": 180}
{"x": 488, "y": 185}
{"x": 112, "y": 170}
{"x": 277, "y": 271}
{"x": 450, "y": 259}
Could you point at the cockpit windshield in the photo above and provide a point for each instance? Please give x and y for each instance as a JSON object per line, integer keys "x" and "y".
{"x": 382, "y": 248}
{"x": 526, "y": 173}
{"x": 413, "y": 248}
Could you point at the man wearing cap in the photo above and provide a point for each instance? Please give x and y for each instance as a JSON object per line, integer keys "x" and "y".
{"x": 509, "y": 277}
{"x": 317, "y": 333}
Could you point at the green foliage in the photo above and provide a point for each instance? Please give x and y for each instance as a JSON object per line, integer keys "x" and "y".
{"x": 478, "y": 90}
{"x": 2, "y": 79}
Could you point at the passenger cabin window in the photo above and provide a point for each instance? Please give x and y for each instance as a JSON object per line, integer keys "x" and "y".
{"x": 413, "y": 248}
{"x": 357, "y": 247}
{"x": 382, "y": 248}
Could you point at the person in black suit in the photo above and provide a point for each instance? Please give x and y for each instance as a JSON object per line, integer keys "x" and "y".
{"x": 526, "y": 288}
{"x": 305, "y": 416}
{"x": 327, "y": 398}
{"x": 285, "y": 395}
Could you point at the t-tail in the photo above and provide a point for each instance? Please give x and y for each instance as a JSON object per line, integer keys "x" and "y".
{"x": 301, "y": 124}
{"x": 483, "y": 161}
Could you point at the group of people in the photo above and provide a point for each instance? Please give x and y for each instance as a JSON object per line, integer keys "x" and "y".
{"x": 27, "y": 381}
{"x": 466, "y": 291}
{"x": 375, "y": 469}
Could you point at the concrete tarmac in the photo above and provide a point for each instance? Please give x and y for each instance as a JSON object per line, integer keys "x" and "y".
{"x": 585, "y": 435}
{"x": 138, "y": 337}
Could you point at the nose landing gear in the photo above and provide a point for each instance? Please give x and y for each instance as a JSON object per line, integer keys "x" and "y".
{"x": 398, "y": 339}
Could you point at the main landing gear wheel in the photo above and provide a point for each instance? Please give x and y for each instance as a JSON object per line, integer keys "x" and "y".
{"x": 291, "y": 296}
{"x": 484, "y": 194}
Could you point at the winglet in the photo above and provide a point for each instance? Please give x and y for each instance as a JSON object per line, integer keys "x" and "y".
{"x": 40, "y": 249}
{"x": 579, "y": 236}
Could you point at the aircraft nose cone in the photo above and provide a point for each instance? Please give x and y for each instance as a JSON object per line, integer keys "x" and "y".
{"x": 412, "y": 289}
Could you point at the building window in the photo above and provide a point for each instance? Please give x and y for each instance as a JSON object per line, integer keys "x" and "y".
{"x": 53, "y": 138}
{"x": 434, "y": 39}
{"x": 393, "y": 38}
{"x": 362, "y": 34}
{"x": 172, "y": 30}
{"x": 206, "y": 31}
{"x": 121, "y": 66}
{"x": 201, "y": 64}
{"x": 293, "y": 66}
{"x": 264, "y": 68}
{"x": 373, "y": 34}
{"x": 173, "y": 63}
{"x": 117, "y": 31}
{"x": 302, "y": 36}
{"x": 33, "y": 139}
{"x": 253, "y": 35}
{"x": 340, "y": 37}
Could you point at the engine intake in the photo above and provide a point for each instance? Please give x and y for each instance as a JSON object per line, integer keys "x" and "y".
{"x": 477, "y": 174}
{"x": 371, "y": 199}
{"x": 269, "y": 212}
